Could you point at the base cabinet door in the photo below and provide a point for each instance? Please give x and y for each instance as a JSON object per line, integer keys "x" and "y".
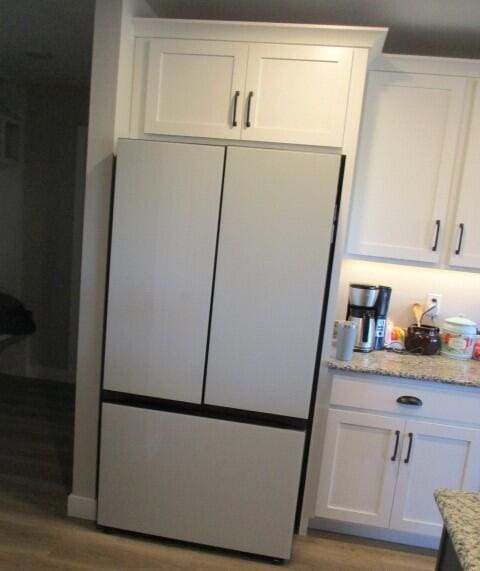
{"x": 203, "y": 480}
{"x": 433, "y": 456}
{"x": 359, "y": 468}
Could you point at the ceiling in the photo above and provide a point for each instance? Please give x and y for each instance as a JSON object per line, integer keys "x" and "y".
{"x": 50, "y": 40}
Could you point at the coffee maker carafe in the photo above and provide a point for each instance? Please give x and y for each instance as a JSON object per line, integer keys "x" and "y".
{"x": 361, "y": 310}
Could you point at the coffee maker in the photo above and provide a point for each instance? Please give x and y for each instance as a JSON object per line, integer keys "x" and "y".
{"x": 367, "y": 308}
{"x": 361, "y": 310}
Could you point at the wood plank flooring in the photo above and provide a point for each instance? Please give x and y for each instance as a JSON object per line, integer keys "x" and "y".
{"x": 35, "y": 472}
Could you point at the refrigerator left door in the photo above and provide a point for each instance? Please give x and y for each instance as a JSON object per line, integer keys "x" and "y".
{"x": 165, "y": 219}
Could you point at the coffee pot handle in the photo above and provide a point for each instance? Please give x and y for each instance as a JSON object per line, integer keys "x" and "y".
{"x": 366, "y": 328}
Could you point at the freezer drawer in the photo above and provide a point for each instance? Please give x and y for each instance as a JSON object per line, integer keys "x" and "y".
{"x": 204, "y": 480}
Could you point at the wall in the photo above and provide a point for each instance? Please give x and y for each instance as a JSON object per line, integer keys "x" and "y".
{"x": 53, "y": 113}
{"x": 113, "y": 43}
{"x": 12, "y": 104}
{"x": 460, "y": 290}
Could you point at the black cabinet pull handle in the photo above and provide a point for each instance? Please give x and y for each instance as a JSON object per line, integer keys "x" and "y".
{"x": 249, "y": 105}
{"x": 437, "y": 233}
{"x": 235, "y": 101}
{"x": 395, "y": 450}
{"x": 460, "y": 239}
{"x": 410, "y": 441}
{"x": 407, "y": 399}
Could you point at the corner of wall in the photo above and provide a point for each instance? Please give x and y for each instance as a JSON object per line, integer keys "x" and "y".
{"x": 82, "y": 507}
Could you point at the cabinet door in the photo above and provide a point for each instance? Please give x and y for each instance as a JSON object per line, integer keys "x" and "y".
{"x": 441, "y": 456}
{"x": 272, "y": 262}
{"x": 299, "y": 94}
{"x": 165, "y": 222}
{"x": 465, "y": 251}
{"x": 226, "y": 484}
{"x": 191, "y": 88}
{"x": 358, "y": 475}
{"x": 405, "y": 165}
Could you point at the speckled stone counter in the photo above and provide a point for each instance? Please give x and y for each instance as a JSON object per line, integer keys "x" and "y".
{"x": 438, "y": 369}
{"x": 461, "y": 516}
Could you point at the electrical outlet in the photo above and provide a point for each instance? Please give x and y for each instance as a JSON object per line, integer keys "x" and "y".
{"x": 432, "y": 299}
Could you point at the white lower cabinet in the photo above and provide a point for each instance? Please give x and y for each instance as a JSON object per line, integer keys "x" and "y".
{"x": 358, "y": 480}
{"x": 382, "y": 470}
{"x": 441, "y": 456}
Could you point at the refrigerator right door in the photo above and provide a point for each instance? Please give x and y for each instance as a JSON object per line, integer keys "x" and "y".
{"x": 272, "y": 266}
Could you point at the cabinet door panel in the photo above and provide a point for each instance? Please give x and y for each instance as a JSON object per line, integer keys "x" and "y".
{"x": 357, "y": 479}
{"x": 441, "y": 457}
{"x": 468, "y": 211}
{"x": 272, "y": 264}
{"x": 161, "y": 268}
{"x": 191, "y": 88}
{"x": 405, "y": 165}
{"x": 300, "y": 94}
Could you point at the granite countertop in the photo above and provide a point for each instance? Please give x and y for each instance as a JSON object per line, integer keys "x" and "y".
{"x": 461, "y": 516}
{"x": 437, "y": 368}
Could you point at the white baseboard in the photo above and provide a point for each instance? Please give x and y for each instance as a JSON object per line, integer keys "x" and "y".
{"x": 82, "y": 507}
{"x": 370, "y": 532}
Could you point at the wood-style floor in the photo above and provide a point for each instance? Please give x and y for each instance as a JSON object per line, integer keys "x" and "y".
{"x": 35, "y": 471}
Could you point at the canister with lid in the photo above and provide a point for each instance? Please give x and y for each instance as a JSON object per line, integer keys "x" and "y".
{"x": 458, "y": 337}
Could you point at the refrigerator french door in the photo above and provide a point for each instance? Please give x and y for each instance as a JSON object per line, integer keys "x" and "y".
{"x": 218, "y": 267}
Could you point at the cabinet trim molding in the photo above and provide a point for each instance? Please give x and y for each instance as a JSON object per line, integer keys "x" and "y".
{"x": 266, "y": 32}
{"x": 427, "y": 65}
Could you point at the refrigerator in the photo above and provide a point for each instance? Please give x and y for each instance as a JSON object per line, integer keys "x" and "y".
{"x": 218, "y": 280}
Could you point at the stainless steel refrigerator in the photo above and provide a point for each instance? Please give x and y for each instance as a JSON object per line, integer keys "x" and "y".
{"x": 219, "y": 268}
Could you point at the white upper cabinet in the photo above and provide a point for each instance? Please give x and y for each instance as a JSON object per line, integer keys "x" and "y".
{"x": 406, "y": 161}
{"x": 194, "y": 88}
{"x": 465, "y": 251}
{"x": 297, "y": 94}
{"x": 290, "y": 94}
